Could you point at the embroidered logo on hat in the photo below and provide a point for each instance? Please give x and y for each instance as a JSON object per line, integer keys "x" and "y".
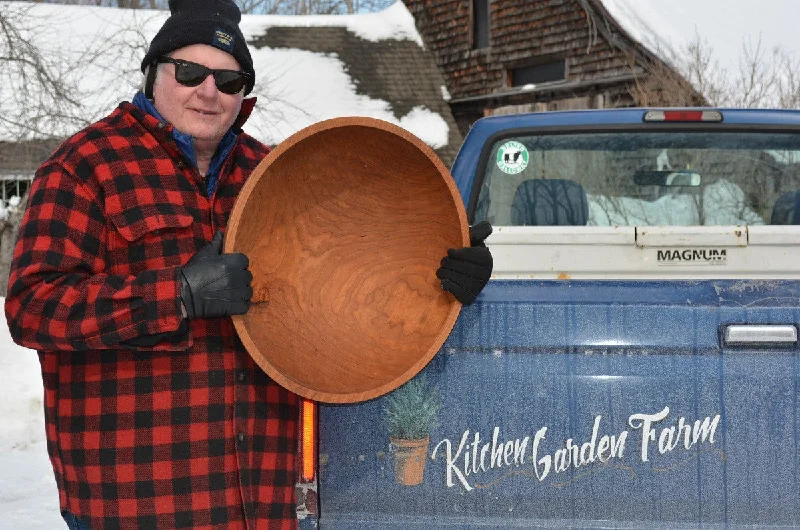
{"x": 222, "y": 40}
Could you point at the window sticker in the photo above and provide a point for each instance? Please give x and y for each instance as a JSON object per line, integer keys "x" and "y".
{"x": 512, "y": 157}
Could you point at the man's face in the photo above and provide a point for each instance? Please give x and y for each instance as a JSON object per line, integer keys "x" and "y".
{"x": 203, "y": 112}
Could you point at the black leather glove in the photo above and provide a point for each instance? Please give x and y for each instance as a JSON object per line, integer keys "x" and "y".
{"x": 215, "y": 284}
{"x": 465, "y": 271}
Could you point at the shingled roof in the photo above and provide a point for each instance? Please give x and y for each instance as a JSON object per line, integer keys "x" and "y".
{"x": 400, "y": 72}
{"x": 20, "y": 159}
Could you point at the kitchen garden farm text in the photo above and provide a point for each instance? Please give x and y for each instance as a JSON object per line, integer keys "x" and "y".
{"x": 473, "y": 454}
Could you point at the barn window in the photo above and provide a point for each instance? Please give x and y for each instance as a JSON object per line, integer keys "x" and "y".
{"x": 480, "y": 23}
{"x": 14, "y": 185}
{"x": 539, "y": 73}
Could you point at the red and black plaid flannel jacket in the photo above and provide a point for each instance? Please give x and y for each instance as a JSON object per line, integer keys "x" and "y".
{"x": 150, "y": 423}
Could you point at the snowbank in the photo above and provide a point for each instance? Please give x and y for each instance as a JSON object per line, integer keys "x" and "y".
{"x": 28, "y": 494}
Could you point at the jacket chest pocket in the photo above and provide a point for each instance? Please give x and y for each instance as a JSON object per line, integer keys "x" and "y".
{"x": 150, "y": 236}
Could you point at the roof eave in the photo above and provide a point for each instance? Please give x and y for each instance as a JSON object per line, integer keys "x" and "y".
{"x": 564, "y": 86}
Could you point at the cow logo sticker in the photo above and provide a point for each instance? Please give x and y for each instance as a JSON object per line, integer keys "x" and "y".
{"x": 512, "y": 157}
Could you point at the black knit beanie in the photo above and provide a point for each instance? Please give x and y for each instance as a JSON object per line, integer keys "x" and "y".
{"x": 211, "y": 22}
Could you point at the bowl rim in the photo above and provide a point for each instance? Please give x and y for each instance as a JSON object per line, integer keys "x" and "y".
{"x": 233, "y": 226}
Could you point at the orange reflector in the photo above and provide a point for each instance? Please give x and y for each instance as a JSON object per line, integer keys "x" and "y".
{"x": 308, "y": 429}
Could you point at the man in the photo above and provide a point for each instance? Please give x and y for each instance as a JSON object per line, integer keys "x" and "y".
{"x": 156, "y": 416}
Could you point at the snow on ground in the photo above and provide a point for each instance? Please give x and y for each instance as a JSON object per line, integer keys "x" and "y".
{"x": 28, "y": 494}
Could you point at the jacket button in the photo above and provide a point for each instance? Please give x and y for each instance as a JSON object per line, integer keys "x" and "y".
{"x": 181, "y": 165}
{"x": 240, "y": 376}
{"x": 240, "y": 437}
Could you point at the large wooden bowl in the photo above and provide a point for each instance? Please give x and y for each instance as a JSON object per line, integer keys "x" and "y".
{"x": 345, "y": 224}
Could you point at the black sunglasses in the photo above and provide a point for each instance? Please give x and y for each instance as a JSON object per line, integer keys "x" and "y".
{"x": 188, "y": 73}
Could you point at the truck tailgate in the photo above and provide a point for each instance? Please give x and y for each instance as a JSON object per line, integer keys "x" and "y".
{"x": 589, "y": 404}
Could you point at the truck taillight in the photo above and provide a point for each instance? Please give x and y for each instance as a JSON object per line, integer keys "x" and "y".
{"x": 683, "y": 115}
{"x": 308, "y": 439}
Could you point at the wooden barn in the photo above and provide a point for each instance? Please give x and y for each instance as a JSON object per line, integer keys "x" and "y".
{"x": 510, "y": 56}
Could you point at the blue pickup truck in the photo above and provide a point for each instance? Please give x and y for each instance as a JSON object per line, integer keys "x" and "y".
{"x": 633, "y": 363}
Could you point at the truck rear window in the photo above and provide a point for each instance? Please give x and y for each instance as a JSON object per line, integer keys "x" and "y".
{"x": 642, "y": 178}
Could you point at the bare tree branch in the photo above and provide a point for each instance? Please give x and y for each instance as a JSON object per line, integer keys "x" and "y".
{"x": 260, "y": 7}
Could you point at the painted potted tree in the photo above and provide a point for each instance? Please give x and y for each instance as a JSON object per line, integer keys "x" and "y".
{"x": 411, "y": 411}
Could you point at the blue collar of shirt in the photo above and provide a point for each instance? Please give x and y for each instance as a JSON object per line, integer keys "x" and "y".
{"x": 186, "y": 145}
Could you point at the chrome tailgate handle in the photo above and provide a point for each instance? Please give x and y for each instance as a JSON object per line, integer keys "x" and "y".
{"x": 776, "y": 335}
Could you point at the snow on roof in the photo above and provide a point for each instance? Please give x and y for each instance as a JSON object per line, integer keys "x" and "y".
{"x": 393, "y": 23}
{"x": 644, "y": 24}
{"x": 295, "y": 87}
{"x": 665, "y": 27}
